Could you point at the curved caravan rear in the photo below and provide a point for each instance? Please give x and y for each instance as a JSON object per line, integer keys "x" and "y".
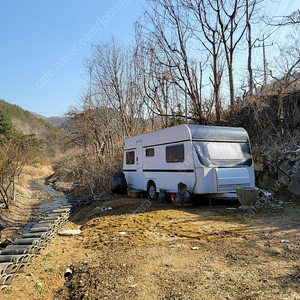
{"x": 208, "y": 159}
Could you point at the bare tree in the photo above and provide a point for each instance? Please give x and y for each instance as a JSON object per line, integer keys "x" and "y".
{"x": 97, "y": 129}
{"x": 165, "y": 28}
{"x": 15, "y": 152}
{"x": 160, "y": 94}
{"x": 288, "y": 71}
{"x": 230, "y": 16}
{"x": 251, "y": 7}
{"x": 113, "y": 82}
{"x": 110, "y": 110}
{"x": 211, "y": 40}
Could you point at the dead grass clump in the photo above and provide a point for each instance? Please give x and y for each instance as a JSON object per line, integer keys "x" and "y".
{"x": 270, "y": 122}
{"x": 34, "y": 172}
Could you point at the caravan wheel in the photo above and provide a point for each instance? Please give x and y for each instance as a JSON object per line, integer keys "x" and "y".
{"x": 152, "y": 190}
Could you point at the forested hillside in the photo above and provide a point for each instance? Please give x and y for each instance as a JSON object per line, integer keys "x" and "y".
{"x": 26, "y": 123}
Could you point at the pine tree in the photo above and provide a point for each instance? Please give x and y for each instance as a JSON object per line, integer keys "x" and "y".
{"x": 6, "y": 125}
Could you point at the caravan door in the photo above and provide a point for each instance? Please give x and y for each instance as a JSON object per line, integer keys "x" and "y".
{"x": 139, "y": 164}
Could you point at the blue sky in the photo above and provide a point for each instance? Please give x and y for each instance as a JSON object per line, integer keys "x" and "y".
{"x": 43, "y": 45}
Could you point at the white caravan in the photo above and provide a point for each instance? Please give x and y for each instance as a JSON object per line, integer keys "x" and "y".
{"x": 210, "y": 160}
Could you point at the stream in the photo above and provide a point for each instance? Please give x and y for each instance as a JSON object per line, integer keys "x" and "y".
{"x": 45, "y": 208}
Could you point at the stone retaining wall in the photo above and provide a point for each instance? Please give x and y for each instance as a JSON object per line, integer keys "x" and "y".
{"x": 278, "y": 172}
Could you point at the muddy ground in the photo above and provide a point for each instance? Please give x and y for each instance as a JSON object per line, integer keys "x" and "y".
{"x": 137, "y": 249}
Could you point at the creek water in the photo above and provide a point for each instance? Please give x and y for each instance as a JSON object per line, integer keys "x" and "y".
{"x": 47, "y": 208}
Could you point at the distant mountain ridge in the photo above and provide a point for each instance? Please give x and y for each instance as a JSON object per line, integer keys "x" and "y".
{"x": 58, "y": 122}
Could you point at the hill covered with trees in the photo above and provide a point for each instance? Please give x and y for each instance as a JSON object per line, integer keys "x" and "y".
{"x": 26, "y": 123}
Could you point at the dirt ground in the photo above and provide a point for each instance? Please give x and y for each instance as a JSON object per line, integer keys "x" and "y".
{"x": 131, "y": 248}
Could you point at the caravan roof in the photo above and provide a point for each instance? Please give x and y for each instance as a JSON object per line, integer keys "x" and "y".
{"x": 218, "y": 133}
{"x": 185, "y": 132}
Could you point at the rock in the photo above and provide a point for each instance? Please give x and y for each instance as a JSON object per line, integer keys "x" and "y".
{"x": 265, "y": 181}
{"x": 294, "y": 185}
{"x": 273, "y": 168}
{"x": 285, "y": 166}
{"x": 296, "y": 167}
{"x": 283, "y": 178}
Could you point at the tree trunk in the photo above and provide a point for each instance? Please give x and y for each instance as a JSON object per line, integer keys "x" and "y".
{"x": 231, "y": 85}
{"x": 249, "y": 50}
{"x": 217, "y": 82}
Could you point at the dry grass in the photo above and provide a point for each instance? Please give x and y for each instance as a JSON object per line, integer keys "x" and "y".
{"x": 269, "y": 125}
{"x": 35, "y": 172}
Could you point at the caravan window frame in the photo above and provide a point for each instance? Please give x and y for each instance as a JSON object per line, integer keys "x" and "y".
{"x": 149, "y": 152}
{"x": 175, "y": 153}
{"x": 130, "y": 157}
{"x": 209, "y": 159}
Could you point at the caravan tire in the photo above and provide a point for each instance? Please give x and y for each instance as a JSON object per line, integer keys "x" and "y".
{"x": 152, "y": 190}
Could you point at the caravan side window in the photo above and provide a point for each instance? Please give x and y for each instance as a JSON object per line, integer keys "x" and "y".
{"x": 150, "y": 152}
{"x": 175, "y": 153}
{"x": 130, "y": 158}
